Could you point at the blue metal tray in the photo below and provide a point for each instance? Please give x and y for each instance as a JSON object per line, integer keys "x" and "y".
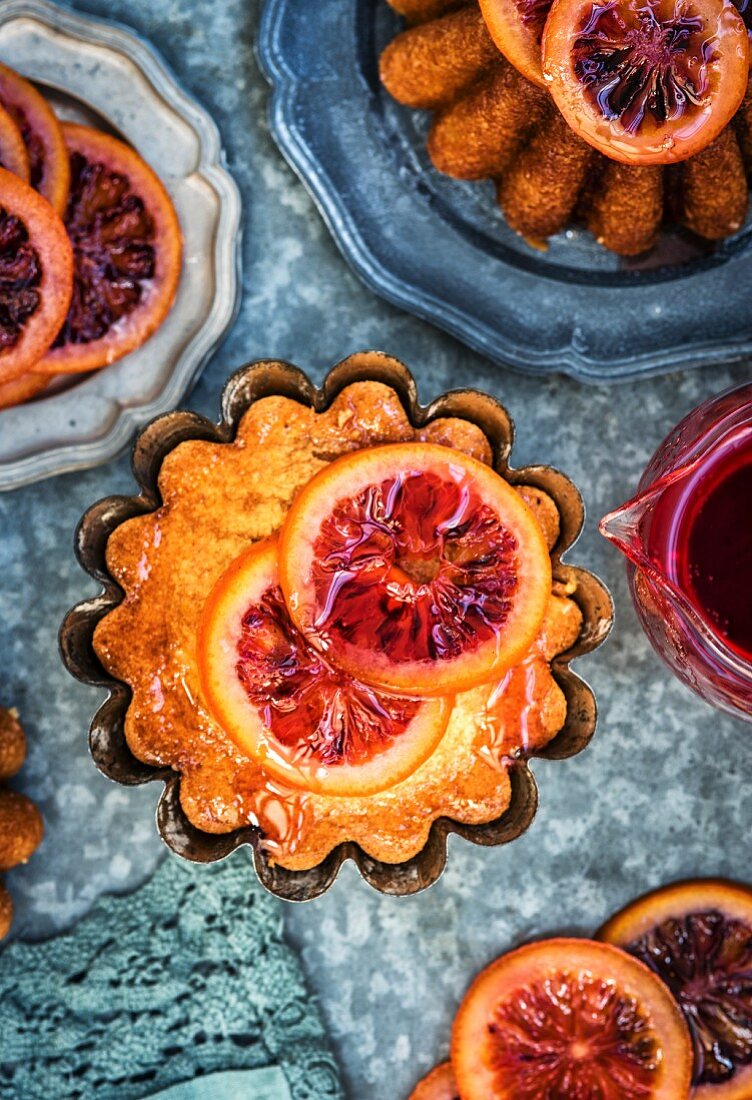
{"x": 441, "y": 249}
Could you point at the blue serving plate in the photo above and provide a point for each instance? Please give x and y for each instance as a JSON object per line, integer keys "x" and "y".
{"x": 441, "y": 249}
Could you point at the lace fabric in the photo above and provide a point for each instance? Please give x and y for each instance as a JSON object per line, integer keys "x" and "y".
{"x": 187, "y": 976}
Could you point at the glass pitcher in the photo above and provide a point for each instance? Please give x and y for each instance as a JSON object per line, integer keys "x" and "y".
{"x": 687, "y": 535}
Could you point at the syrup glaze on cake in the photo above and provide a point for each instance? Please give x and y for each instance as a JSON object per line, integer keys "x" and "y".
{"x": 492, "y": 122}
{"x": 217, "y": 500}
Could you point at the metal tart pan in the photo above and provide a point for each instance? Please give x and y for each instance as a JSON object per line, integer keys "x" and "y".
{"x": 107, "y": 742}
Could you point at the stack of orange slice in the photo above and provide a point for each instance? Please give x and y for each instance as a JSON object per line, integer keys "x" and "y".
{"x": 402, "y": 574}
{"x": 90, "y": 245}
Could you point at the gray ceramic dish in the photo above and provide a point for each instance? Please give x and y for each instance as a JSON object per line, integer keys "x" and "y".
{"x": 103, "y": 75}
{"x": 107, "y": 741}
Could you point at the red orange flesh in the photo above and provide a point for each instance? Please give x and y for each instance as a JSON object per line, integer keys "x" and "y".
{"x": 570, "y": 1018}
{"x": 415, "y": 567}
{"x": 697, "y": 937}
{"x": 646, "y": 81}
{"x": 306, "y": 722}
{"x": 128, "y": 251}
{"x": 36, "y": 276}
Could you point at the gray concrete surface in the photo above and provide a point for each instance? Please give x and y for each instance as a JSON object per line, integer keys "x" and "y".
{"x": 661, "y": 793}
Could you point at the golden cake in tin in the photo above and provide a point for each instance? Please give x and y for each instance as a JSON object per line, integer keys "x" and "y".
{"x": 218, "y": 498}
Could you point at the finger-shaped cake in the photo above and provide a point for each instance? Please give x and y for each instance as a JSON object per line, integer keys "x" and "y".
{"x": 530, "y": 96}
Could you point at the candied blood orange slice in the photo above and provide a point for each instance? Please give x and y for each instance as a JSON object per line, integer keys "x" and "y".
{"x": 22, "y": 389}
{"x": 13, "y": 155}
{"x": 516, "y": 27}
{"x": 49, "y": 164}
{"x": 36, "y": 276}
{"x": 697, "y": 937}
{"x": 439, "y": 1084}
{"x": 415, "y": 567}
{"x": 646, "y": 81}
{"x": 305, "y": 721}
{"x": 570, "y": 1019}
{"x": 127, "y": 248}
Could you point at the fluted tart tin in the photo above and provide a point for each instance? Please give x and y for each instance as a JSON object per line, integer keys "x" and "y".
{"x": 107, "y": 740}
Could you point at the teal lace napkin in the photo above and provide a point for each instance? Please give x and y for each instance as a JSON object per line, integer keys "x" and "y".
{"x": 184, "y": 988}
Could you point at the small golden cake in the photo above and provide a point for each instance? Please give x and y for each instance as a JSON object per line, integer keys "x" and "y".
{"x": 222, "y": 502}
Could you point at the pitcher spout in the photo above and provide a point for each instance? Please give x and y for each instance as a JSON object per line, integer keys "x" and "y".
{"x": 624, "y": 528}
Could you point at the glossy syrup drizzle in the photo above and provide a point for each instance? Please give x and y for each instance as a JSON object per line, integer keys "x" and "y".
{"x": 510, "y": 723}
{"x": 281, "y": 814}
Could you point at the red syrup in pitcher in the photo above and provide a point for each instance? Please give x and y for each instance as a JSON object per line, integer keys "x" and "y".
{"x": 688, "y": 537}
{"x": 702, "y": 530}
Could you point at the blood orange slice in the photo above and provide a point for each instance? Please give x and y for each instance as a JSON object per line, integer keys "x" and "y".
{"x": 36, "y": 276}
{"x": 570, "y": 1019}
{"x": 415, "y": 567}
{"x": 646, "y": 81}
{"x": 49, "y": 164}
{"x": 697, "y": 937}
{"x": 13, "y": 155}
{"x": 439, "y": 1084}
{"x": 516, "y": 27}
{"x": 284, "y": 705}
{"x": 22, "y": 389}
{"x": 127, "y": 248}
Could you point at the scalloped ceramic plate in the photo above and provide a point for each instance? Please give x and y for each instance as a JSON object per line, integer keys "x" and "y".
{"x": 107, "y": 739}
{"x": 440, "y": 248}
{"x": 101, "y": 74}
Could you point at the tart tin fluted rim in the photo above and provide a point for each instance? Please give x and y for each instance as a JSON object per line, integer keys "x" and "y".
{"x": 107, "y": 743}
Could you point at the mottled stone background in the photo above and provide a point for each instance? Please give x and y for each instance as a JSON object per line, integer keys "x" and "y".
{"x": 661, "y": 793}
